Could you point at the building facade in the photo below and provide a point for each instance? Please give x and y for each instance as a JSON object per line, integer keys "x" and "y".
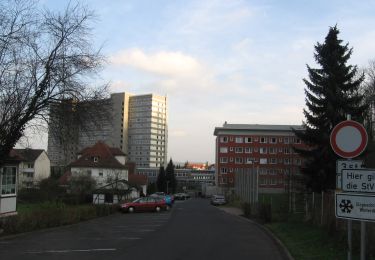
{"x": 136, "y": 124}
{"x": 188, "y": 178}
{"x": 267, "y": 150}
{"x": 106, "y": 165}
{"x": 147, "y": 130}
{"x": 34, "y": 167}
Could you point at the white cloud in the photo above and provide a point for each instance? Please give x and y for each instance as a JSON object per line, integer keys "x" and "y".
{"x": 169, "y": 72}
{"x": 165, "y": 63}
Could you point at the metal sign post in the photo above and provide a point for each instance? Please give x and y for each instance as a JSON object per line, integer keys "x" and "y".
{"x": 348, "y": 140}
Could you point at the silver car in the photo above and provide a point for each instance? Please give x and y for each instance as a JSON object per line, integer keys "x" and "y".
{"x": 218, "y": 200}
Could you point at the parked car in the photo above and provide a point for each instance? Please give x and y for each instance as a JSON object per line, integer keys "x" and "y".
{"x": 169, "y": 199}
{"x": 181, "y": 196}
{"x": 144, "y": 204}
{"x": 218, "y": 200}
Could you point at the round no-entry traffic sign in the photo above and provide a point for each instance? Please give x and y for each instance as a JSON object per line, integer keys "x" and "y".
{"x": 348, "y": 139}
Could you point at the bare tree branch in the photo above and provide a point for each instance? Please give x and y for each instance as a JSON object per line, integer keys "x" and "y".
{"x": 44, "y": 59}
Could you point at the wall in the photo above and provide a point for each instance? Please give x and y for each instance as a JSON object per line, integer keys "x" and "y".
{"x": 121, "y": 174}
{"x": 42, "y": 167}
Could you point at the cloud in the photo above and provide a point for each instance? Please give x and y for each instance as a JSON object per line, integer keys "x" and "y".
{"x": 168, "y": 71}
{"x": 164, "y": 63}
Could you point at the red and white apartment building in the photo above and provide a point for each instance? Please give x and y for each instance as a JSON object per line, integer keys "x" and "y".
{"x": 265, "y": 149}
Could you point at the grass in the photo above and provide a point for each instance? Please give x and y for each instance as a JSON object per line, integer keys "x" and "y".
{"x": 26, "y": 208}
{"x": 51, "y": 214}
{"x": 307, "y": 242}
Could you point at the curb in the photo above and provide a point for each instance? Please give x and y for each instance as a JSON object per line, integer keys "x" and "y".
{"x": 277, "y": 241}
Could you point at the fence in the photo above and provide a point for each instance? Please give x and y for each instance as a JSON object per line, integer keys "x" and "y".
{"x": 246, "y": 185}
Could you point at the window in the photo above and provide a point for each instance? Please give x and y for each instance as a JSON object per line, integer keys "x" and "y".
{"x": 286, "y": 140}
{"x": 248, "y": 140}
{"x": 263, "y": 150}
{"x": 250, "y": 160}
{"x": 239, "y": 150}
{"x": 297, "y": 140}
{"x": 239, "y": 140}
{"x": 263, "y": 161}
{"x": 273, "y": 160}
{"x": 280, "y": 140}
{"x": 263, "y": 140}
{"x": 224, "y": 139}
{"x": 223, "y": 149}
{"x": 28, "y": 174}
{"x": 8, "y": 180}
{"x": 272, "y": 150}
{"x": 231, "y": 159}
{"x": 273, "y": 140}
{"x": 96, "y": 159}
{"x": 100, "y": 174}
{"x": 223, "y": 159}
{"x": 231, "y": 138}
{"x": 224, "y": 170}
{"x": 231, "y": 149}
{"x": 286, "y": 161}
{"x": 30, "y": 165}
{"x": 298, "y": 162}
{"x": 238, "y": 160}
{"x": 248, "y": 150}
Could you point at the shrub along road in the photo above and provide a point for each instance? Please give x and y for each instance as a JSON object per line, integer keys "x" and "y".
{"x": 192, "y": 230}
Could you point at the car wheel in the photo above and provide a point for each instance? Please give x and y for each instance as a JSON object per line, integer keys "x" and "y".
{"x": 157, "y": 209}
{"x": 131, "y": 210}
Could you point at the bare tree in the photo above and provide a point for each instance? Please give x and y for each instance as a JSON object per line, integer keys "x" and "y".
{"x": 368, "y": 89}
{"x": 45, "y": 58}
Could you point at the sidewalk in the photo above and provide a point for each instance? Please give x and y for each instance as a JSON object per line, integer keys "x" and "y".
{"x": 232, "y": 210}
{"x": 239, "y": 212}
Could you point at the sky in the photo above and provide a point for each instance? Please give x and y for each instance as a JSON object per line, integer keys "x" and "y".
{"x": 236, "y": 61}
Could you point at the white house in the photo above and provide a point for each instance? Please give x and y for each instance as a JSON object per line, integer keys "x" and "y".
{"x": 34, "y": 167}
{"x": 104, "y": 164}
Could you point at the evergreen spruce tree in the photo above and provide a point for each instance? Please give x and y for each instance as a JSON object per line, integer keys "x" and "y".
{"x": 161, "y": 180}
{"x": 332, "y": 92}
{"x": 171, "y": 177}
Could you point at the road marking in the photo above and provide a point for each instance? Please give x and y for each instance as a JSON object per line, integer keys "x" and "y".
{"x": 132, "y": 227}
{"x": 72, "y": 250}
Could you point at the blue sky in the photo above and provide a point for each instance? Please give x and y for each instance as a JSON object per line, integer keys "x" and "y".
{"x": 236, "y": 61}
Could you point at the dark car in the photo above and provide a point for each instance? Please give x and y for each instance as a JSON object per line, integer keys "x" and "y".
{"x": 144, "y": 204}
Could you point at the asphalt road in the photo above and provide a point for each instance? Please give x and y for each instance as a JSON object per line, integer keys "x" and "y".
{"x": 192, "y": 230}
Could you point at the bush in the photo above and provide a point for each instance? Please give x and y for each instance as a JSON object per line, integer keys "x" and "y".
{"x": 52, "y": 215}
{"x": 265, "y": 213}
{"x": 246, "y": 208}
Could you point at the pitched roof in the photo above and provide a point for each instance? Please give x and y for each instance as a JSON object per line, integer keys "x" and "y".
{"x": 28, "y": 155}
{"x": 137, "y": 179}
{"x": 115, "y": 151}
{"x": 104, "y": 154}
